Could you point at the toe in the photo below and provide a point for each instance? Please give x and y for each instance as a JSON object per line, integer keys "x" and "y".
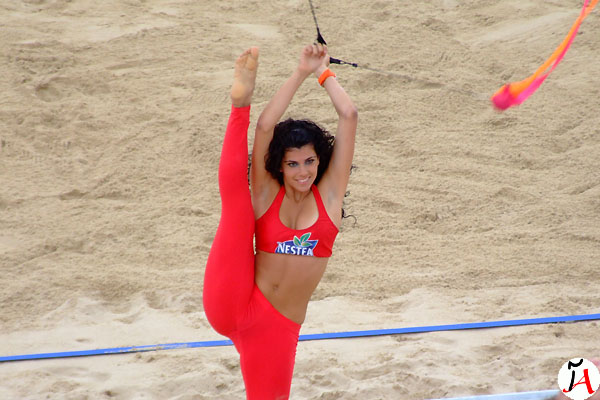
{"x": 253, "y": 51}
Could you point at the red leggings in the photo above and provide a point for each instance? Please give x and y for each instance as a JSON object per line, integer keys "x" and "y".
{"x": 234, "y": 306}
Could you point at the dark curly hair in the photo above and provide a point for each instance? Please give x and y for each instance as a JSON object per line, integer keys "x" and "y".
{"x": 293, "y": 133}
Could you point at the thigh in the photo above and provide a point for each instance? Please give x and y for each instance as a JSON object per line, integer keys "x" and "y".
{"x": 267, "y": 344}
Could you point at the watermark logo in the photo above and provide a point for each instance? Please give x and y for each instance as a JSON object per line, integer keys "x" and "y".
{"x": 578, "y": 379}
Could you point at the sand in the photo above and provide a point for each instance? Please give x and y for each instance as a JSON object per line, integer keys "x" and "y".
{"x": 111, "y": 119}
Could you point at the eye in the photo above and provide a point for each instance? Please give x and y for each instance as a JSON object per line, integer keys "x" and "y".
{"x": 292, "y": 164}
{"x": 310, "y": 161}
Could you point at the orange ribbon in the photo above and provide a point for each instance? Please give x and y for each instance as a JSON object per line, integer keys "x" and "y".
{"x": 515, "y": 93}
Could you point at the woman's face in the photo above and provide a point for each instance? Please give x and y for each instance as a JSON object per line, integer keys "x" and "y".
{"x": 299, "y": 167}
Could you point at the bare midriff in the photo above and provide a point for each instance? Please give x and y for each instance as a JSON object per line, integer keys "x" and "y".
{"x": 288, "y": 281}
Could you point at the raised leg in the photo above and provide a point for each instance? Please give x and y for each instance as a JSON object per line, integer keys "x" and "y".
{"x": 229, "y": 274}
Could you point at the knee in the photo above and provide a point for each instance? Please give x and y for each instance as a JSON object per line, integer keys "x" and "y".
{"x": 219, "y": 319}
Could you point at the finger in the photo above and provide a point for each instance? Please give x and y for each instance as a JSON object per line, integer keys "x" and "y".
{"x": 319, "y": 49}
{"x": 324, "y": 52}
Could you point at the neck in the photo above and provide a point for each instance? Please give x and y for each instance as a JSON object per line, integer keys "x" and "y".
{"x": 295, "y": 195}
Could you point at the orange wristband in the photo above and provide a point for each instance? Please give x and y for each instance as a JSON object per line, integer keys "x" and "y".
{"x": 326, "y": 74}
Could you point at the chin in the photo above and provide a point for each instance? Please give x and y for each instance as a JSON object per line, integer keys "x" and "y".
{"x": 304, "y": 186}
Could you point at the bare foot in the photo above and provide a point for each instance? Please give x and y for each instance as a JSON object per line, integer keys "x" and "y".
{"x": 244, "y": 78}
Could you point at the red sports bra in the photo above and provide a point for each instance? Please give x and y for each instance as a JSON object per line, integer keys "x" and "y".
{"x": 272, "y": 236}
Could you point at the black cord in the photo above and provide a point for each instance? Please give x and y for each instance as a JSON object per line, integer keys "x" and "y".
{"x": 319, "y": 37}
{"x": 336, "y": 61}
{"x": 322, "y": 41}
{"x": 379, "y": 71}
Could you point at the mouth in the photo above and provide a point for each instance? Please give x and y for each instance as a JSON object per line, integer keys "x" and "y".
{"x": 303, "y": 181}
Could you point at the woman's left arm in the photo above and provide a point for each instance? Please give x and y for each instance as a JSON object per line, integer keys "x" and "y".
{"x": 335, "y": 179}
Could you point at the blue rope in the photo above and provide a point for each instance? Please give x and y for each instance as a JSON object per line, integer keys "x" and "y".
{"x": 318, "y": 336}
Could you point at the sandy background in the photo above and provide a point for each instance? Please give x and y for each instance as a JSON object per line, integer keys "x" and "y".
{"x": 111, "y": 120}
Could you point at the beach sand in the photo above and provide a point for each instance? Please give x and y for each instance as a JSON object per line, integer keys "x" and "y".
{"x": 112, "y": 116}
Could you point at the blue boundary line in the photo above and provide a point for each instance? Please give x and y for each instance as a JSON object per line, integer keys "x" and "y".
{"x": 318, "y": 336}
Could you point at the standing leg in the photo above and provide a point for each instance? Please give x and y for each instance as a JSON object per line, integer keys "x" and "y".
{"x": 267, "y": 343}
{"x": 229, "y": 274}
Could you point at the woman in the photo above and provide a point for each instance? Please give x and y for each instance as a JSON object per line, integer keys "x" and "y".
{"x": 298, "y": 177}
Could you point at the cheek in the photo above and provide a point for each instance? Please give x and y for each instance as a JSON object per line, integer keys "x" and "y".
{"x": 286, "y": 171}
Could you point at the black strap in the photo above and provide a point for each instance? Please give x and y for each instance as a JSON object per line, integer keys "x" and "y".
{"x": 322, "y": 41}
{"x": 319, "y": 37}
{"x": 388, "y": 73}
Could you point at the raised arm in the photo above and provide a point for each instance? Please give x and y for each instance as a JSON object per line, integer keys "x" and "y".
{"x": 263, "y": 185}
{"x": 335, "y": 180}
